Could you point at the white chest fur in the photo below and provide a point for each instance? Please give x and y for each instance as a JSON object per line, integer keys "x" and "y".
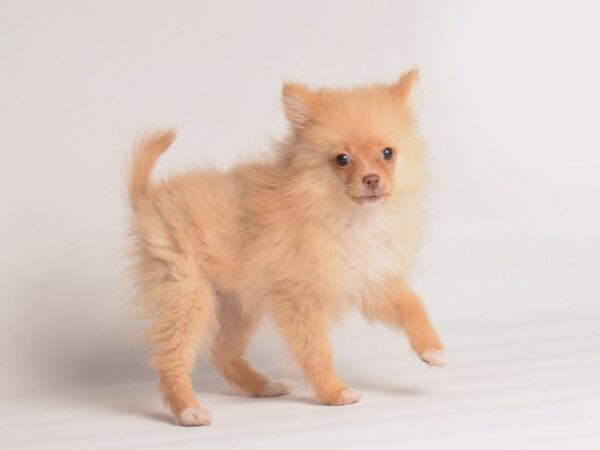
{"x": 368, "y": 250}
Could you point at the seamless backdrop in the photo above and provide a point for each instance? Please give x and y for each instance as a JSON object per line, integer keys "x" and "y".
{"x": 508, "y": 104}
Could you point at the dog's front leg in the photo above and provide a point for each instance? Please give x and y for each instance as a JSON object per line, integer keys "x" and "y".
{"x": 398, "y": 306}
{"x": 304, "y": 324}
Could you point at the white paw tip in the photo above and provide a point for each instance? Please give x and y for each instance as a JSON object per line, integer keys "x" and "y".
{"x": 277, "y": 388}
{"x": 434, "y": 358}
{"x": 349, "y": 396}
{"x": 194, "y": 417}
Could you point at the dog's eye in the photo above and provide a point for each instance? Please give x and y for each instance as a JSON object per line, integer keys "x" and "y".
{"x": 342, "y": 160}
{"x": 387, "y": 153}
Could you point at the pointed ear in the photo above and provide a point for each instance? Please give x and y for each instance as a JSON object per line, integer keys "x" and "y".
{"x": 403, "y": 89}
{"x": 299, "y": 104}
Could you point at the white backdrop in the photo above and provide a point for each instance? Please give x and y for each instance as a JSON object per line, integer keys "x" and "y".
{"x": 508, "y": 105}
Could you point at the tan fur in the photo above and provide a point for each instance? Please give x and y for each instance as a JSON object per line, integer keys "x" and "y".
{"x": 294, "y": 236}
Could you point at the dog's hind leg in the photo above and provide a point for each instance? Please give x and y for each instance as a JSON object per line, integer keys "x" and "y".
{"x": 183, "y": 306}
{"x": 229, "y": 348}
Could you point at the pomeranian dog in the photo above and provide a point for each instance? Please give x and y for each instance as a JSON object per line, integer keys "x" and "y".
{"x": 329, "y": 222}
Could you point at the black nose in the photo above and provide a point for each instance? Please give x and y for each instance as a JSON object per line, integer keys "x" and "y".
{"x": 371, "y": 180}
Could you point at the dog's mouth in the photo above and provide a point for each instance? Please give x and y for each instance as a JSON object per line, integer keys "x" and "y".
{"x": 370, "y": 199}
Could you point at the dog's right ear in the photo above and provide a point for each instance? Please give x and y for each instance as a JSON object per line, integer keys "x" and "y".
{"x": 299, "y": 104}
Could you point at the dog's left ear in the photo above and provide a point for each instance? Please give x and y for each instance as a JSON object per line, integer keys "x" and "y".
{"x": 403, "y": 89}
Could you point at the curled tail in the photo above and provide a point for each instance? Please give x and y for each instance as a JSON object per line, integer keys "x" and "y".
{"x": 146, "y": 152}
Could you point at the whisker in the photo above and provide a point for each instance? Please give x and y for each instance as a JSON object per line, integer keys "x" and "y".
{"x": 342, "y": 189}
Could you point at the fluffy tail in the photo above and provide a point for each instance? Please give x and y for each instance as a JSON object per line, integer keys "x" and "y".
{"x": 146, "y": 152}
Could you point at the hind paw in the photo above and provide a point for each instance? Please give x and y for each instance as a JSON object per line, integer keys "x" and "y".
{"x": 276, "y": 389}
{"x": 194, "y": 417}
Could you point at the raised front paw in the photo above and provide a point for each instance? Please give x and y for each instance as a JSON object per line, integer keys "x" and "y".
{"x": 435, "y": 358}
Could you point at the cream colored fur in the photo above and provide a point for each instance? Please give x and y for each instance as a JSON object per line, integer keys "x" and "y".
{"x": 296, "y": 236}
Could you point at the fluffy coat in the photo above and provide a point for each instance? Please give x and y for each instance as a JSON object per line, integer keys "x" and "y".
{"x": 325, "y": 224}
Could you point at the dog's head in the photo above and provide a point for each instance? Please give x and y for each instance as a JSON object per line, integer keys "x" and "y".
{"x": 360, "y": 142}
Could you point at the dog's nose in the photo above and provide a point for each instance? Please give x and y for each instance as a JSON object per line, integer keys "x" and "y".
{"x": 371, "y": 180}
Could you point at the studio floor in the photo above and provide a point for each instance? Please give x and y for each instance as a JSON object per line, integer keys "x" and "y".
{"x": 527, "y": 388}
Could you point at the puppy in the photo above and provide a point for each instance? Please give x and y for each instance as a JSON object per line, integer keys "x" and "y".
{"x": 328, "y": 223}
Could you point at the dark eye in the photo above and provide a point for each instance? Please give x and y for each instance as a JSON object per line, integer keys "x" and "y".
{"x": 387, "y": 153}
{"x": 342, "y": 160}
